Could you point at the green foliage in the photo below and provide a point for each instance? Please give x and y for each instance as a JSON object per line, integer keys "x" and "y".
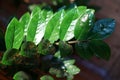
{"x": 42, "y": 39}
{"x": 87, "y": 49}
{"x": 64, "y": 67}
{"x": 67, "y": 26}
{"x": 45, "y": 47}
{"x": 14, "y": 34}
{"x": 46, "y": 77}
{"x": 53, "y": 28}
{"x": 102, "y": 29}
{"x": 28, "y": 49}
{"x": 71, "y": 69}
{"x": 84, "y": 25}
{"x": 65, "y": 49}
{"x": 100, "y": 49}
{"x": 21, "y": 76}
{"x": 9, "y": 56}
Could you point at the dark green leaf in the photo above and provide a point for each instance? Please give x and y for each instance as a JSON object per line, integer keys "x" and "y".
{"x": 84, "y": 49}
{"x": 68, "y": 25}
{"x": 65, "y": 49}
{"x": 45, "y": 47}
{"x": 9, "y": 56}
{"x": 53, "y": 27}
{"x": 100, "y": 49}
{"x": 46, "y": 77}
{"x": 102, "y": 29}
{"x": 21, "y": 76}
{"x": 28, "y": 49}
{"x": 93, "y": 47}
{"x": 58, "y": 72}
{"x": 14, "y": 34}
{"x": 84, "y": 25}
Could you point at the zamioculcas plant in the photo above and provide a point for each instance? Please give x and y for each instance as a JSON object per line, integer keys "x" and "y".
{"x": 44, "y": 41}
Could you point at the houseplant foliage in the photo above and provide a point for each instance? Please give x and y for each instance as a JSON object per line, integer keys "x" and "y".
{"x": 43, "y": 40}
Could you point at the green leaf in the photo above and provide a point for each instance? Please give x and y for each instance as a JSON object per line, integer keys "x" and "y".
{"x": 53, "y": 27}
{"x": 65, "y": 49}
{"x": 24, "y": 21}
{"x": 70, "y": 77}
{"x": 102, "y": 29}
{"x": 69, "y": 62}
{"x": 45, "y": 47}
{"x": 28, "y": 49}
{"x": 68, "y": 24}
{"x": 9, "y": 56}
{"x": 58, "y": 72}
{"x": 57, "y": 54}
{"x": 72, "y": 69}
{"x": 84, "y": 25}
{"x": 93, "y": 47}
{"x": 46, "y": 77}
{"x": 81, "y": 10}
{"x": 84, "y": 50}
{"x": 21, "y": 76}
{"x": 14, "y": 34}
{"x": 40, "y": 31}
{"x": 100, "y": 49}
{"x": 33, "y": 24}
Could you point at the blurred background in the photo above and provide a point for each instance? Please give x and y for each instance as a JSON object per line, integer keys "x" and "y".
{"x": 95, "y": 69}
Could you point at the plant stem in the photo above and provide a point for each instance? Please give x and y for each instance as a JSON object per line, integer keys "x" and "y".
{"x": 69, "y": 42}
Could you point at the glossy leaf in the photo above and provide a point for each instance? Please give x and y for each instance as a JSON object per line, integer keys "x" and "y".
{"x": 33, "y": 24}
{"x": 84, "y": 25}
{"x": 9, "y": 56}
{"x": 72, "y": 69}
{"x": 40, "y": 31}
{"x": 53, "y": 27}
{"x": 68, "y": 24}
{"x": 14, "y": 34}
{"x": 24, "y": 21}
{"x": 46, "y": 77}
{"x": 69, "y": 62}
{"x": 65, "y": 49}
{"x": 81, "y": 10}
{"x": 102, "y": 28}
{"x": 100, "y": 49}
{"x": 21, "y": 76}
{"x": 84, "y": 50}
